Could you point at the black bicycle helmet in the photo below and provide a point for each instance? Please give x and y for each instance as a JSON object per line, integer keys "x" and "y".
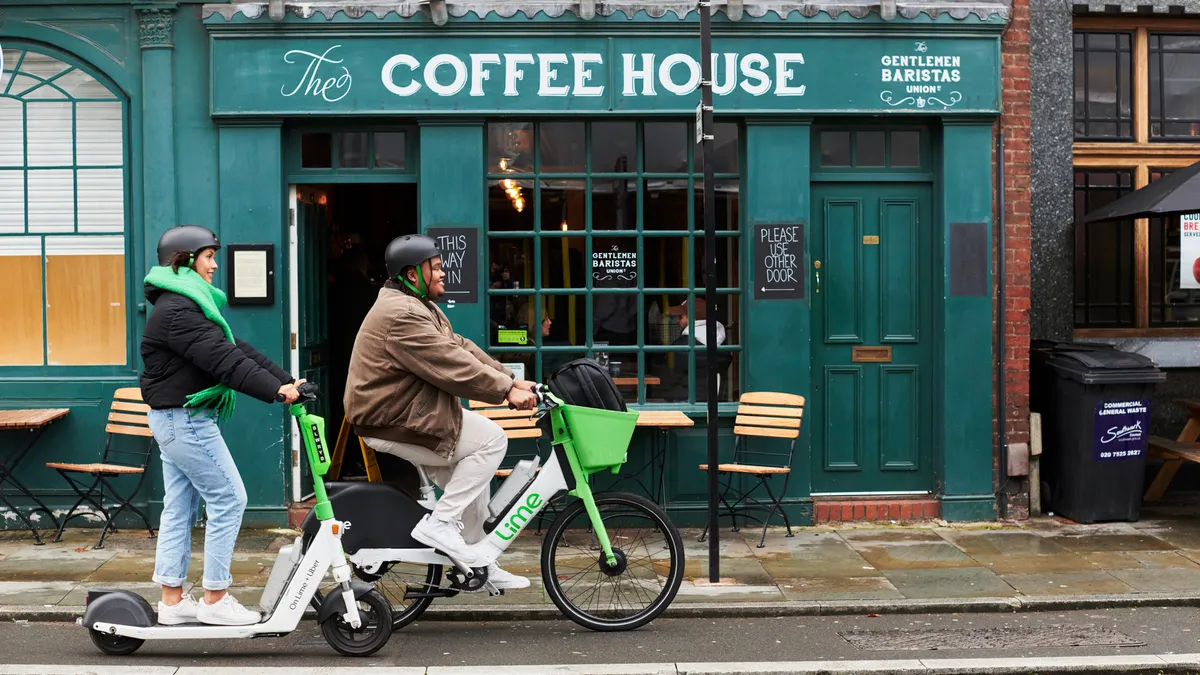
{"x": 187, "y": 238}
{"x": 411, "y": 250}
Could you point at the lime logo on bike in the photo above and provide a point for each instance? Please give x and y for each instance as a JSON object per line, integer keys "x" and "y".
{"x": 518, "y": 519}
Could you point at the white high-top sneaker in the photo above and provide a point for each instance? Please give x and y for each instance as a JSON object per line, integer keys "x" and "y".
{"x": 174, "y": 615}
{"x": 505, "y": 580}
{"x": 227, "y": 612}
{"x": 445, "y": 537}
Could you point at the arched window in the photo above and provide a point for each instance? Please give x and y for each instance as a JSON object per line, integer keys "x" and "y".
{"x": 62, "y": 214}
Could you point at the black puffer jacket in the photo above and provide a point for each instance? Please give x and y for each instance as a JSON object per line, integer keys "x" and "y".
{"x": 184, "y": 353}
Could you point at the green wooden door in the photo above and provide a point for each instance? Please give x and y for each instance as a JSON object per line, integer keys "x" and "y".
{"x": 872, "y": 357}
{"x": 313, "y": 252}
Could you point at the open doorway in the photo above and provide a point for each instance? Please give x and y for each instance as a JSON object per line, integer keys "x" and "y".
{"x": 342, "y": 232}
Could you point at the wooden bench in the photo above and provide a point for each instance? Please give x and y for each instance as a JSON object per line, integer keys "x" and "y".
{"x": 1183, "y": 449}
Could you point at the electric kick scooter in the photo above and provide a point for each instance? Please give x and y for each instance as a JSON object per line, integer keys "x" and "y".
{"x": 611, "y": 561}
{"x": 355, "y": 619}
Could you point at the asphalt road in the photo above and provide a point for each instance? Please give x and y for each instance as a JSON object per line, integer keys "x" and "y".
{"x": 1163, "y": 631}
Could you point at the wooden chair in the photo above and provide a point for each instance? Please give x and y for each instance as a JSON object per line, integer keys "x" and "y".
{"x": 762, "y": 415}
{"x": 517, "y": 425}
{"x": 127, "y": 417}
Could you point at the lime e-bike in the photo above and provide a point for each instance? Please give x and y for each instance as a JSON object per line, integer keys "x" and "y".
{"x": 355, "y": 619}
{"x": 610, "y": 561}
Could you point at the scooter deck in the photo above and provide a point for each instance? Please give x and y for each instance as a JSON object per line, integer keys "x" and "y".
{"x": 189, "y": 631}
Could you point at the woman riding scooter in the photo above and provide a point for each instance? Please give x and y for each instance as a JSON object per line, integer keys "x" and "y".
{"x": 193, "y": 366}
{"x": 407, "y": 373}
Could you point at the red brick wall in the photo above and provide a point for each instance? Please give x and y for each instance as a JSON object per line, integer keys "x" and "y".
{"x": 1015, "y": 123}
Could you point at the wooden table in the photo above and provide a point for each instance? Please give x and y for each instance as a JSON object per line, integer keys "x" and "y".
{"x": 35, "y": 422}
{"x": 651, "y": 381}
{"x": 662, "y": 421}
{"x": 1183, "y": 449}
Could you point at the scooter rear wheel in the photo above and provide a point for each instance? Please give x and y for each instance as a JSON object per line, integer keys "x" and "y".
{"x": 114, "y": 645}
{"x": 376, "y": 615}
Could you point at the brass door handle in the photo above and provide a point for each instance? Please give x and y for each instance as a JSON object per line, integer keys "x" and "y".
{"x": 817, "y": 267}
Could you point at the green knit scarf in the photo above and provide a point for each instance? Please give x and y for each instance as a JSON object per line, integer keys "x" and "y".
{"x": 211, "y": 299}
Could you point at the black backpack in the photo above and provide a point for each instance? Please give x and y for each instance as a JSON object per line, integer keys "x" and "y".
{"x": 583, "y": 382}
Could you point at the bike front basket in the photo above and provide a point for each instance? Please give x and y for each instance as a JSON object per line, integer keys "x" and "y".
{"x": 601, "y": 437}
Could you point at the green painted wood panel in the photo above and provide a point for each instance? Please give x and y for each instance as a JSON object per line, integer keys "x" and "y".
{"x": 777, "y": 335}
{"x": 966, "y": 388}
{"x": 874, "y": 419}
{"x": 452, "y": 194}
{"x": 252, "y": 211}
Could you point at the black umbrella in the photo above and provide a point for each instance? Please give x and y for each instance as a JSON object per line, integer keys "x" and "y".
{"x": 1174, "y": 194}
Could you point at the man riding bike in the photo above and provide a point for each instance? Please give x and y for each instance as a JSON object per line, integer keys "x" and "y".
{"x": 408, "y": 371}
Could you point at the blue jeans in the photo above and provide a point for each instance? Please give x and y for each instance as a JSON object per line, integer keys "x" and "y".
{"x": 196, "y": 465}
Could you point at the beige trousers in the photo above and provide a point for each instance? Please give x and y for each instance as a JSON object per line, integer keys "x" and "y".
{"x": 464, "y": 478}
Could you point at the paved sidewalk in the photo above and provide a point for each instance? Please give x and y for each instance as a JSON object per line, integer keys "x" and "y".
{"x": 1045, "y": 563}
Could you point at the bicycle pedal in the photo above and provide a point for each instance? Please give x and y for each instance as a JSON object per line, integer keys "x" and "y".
{"x": 492, "y": 590}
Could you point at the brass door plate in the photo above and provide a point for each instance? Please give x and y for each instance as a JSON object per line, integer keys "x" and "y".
{"x": 871, "y": 239}
{"x": 871, "y": 354}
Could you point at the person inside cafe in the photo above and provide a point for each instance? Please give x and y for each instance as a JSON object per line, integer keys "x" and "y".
{"x": 674, "y": 376}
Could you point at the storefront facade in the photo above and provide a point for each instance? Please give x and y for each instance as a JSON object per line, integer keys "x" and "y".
{"x": 555, "y": 160}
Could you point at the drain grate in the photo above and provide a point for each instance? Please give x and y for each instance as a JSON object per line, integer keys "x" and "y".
{"x": 988, "y": 638}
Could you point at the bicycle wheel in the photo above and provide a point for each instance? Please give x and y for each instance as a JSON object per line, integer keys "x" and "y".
{"x": 395, "y": 581}
{"x": 649, "y": 566}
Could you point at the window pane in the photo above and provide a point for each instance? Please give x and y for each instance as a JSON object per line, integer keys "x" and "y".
{"x": 390, "y": 149}
{"x": 510, "y": 147}
{"x": 668, "y": 376}
{"x": 725, "y": 149}
{"x": 727, "y": 262}
{"x": 1171, "y": 304}
{"x": 614, "y": 203}
{"x": 99, "y": 139}
{"x": 563, "y": 147}
{"x": 12, "y": 132}
{"x": 665, "y": 204}
{"x": 101, "y": 200}
{"x": 567, "y": 316}
{"x": 510, "y": 205}
{"x": 906, "y": 148}
{"x": 563, "y": 263}
{"x": 1174, "y": 94}
{"x": 614, "y": 147}
{"x": 725, "y": 205}
{"x": 667, "y": 262}
{"x": 615, "y": 263}
{"x": 352, "y": 150}
{"x": 869, "y": 148}
{"x": 50, "y": 134}
{"x": 21, "y": 313}
{"x": 316, "y": 151}
{"x": 615, "y": 322}
{"x": 85, "y": 298}
{"x": 1103, "y": 252}
{"x": 12, "y": 202}
{"x": 1103, "y": 85}
{"x": 564, "y": 205}
{"x": 835, "y": 148}
{"x": 666, "y": 146}
{"x": 52, "y": 200}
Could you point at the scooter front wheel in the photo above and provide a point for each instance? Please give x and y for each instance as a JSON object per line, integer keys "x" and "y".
{"x": 114, "y": 645}
{"x": 376, "y": 616}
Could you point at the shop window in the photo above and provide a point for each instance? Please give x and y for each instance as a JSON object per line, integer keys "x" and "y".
{"x": 596, "y": 246}
{"x": 1104, "y": 255}
{"x": 1128, "y": 275}
{"x": 1174, "y": 103}
{"x": 1103, "y": 85}
{"x": 62, "y": 214}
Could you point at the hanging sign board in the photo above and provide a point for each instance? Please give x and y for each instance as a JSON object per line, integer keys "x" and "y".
{"x": 1121, "y": 430}
{"x": 778, "y": 257}
{"x": 1189, "y": 250}
{"x": 460, "y": 262}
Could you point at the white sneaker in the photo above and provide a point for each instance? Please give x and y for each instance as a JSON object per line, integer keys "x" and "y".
{"x": 174, "y": 615}
{"x": 445, "y": 537}
{"x": 227, "y": 612}
{"x": 505, "y": 580}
